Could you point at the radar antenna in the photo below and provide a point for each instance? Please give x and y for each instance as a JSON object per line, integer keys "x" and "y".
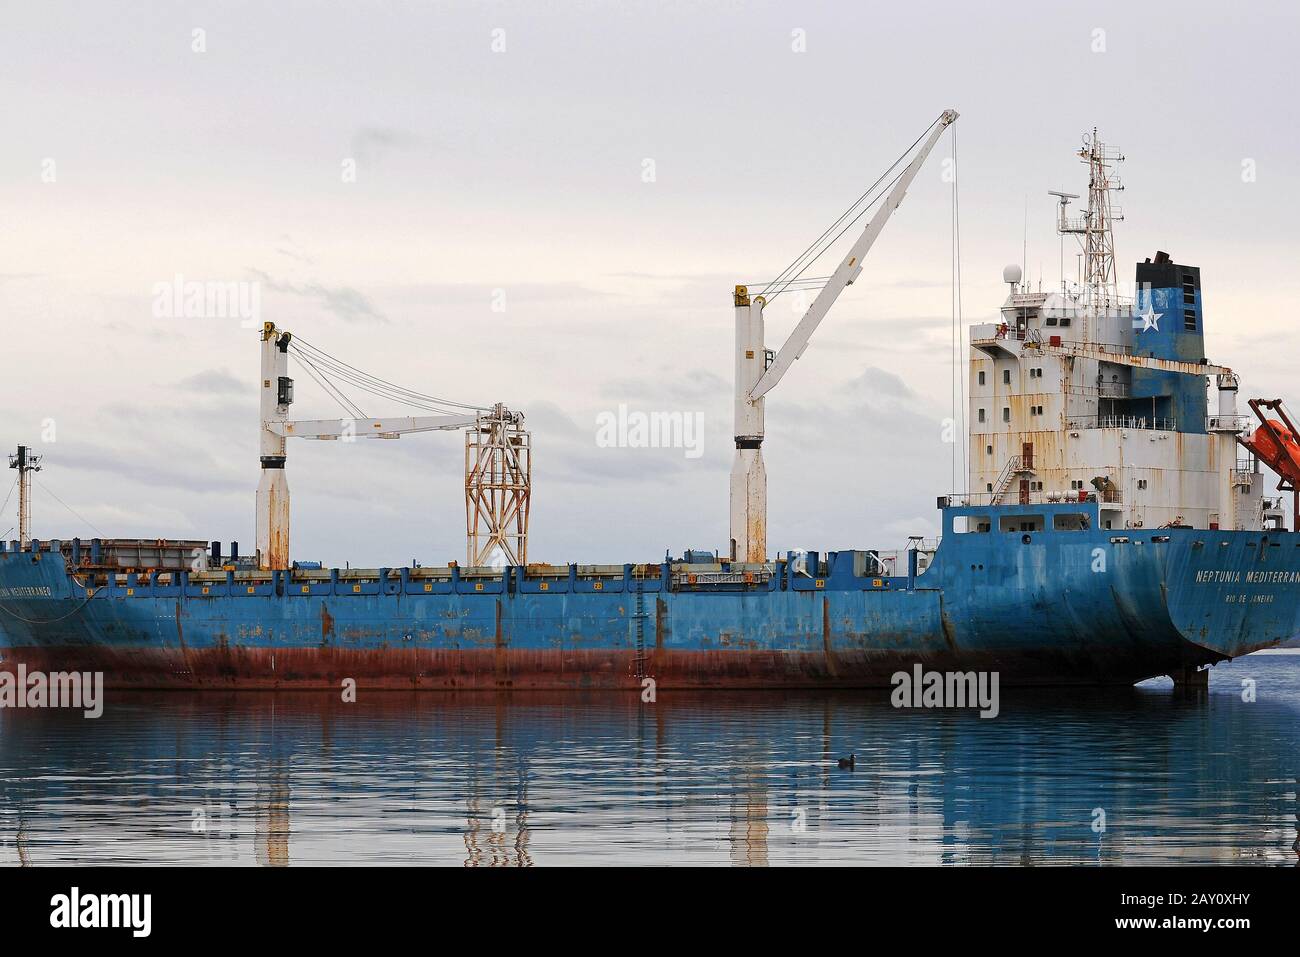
{"x": 1065, "y": 201}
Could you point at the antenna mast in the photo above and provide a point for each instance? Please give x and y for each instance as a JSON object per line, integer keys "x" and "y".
{"x": 26, "y": 463}
{"x": 1095, "y": 227}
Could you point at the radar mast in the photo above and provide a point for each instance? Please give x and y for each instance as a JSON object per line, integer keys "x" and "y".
{"x": 1095, "y": 227}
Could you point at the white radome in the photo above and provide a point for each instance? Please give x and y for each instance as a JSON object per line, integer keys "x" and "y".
{"x": 1012, "y": 274}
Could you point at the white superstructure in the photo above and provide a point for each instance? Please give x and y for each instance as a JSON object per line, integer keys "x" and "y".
{"x": 1080, "y": 393}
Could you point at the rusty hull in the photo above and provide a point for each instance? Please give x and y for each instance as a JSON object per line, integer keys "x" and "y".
{"x": 1058, "y": 607}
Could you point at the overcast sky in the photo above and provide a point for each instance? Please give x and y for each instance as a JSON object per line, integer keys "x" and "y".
{"x": 138, "y": 149}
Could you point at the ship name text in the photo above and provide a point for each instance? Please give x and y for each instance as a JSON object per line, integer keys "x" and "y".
{"x": 26, "y": 591}
{"x": 1228, "y": 577}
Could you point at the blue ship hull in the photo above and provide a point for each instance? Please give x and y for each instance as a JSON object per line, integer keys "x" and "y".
{"x": 1080, "y": 607}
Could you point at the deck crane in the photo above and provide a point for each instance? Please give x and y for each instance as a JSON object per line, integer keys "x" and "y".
{"x": 497, "y": 456}
{"x": 758, "y": 370}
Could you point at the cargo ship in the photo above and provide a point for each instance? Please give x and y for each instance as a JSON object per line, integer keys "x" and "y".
{"x": 1115, "y": 526}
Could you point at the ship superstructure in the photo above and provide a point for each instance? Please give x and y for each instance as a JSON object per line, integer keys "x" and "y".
{"x": 1082, "y": 394}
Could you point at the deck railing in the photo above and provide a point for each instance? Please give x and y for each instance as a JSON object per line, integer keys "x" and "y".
{"x": 1066, "y": 497}
{"x": 1155, "y": 423}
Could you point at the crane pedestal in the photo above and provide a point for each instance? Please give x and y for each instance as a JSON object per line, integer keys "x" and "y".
{"x": 748, "y": 506}
{"x": 748, "y": 476}
{"x": 273, "y": 517}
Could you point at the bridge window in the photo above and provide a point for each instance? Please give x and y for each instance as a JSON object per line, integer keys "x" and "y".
{"x": 1021, "y": 523}
{"x": 1070, "y": 522}
{"x": 1006, "y": 377}
{"x": 981, "y": 415}
{"x": 981, "y": 377}
{"x": 1006, "y": 414}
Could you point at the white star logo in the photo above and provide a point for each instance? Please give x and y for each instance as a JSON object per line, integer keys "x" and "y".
{"x": 1150, "y": 320}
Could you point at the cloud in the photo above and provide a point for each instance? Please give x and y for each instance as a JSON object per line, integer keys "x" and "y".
{"x": 876, "y": 409}
{"x": 291, "y": 250}
{"x": 169, "y": 465}
{"x": 878, "y": 388}
{"x": 671, "y": 388}
{"x": 912, "y": 283}
{"x": 346, "y": 303}
{"x": 482, "y": 294}
{"x": 572, "y": 455}
{"x": 215, "y": 382}
{"x": 714, "y": 279}
{"x": 370, "y": 143}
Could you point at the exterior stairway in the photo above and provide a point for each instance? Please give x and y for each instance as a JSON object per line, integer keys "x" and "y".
{"x": 1015, "y": 467}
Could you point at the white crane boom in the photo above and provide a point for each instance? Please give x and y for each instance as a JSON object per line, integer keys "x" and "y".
{"x": 370, "y": 428}
{"x": 755, "y": 377}
{"x": 849, "y": 269}
{"x": 498, "y": 457}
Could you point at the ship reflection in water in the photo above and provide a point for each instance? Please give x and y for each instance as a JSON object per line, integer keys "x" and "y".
{"x": 739, "y": 778}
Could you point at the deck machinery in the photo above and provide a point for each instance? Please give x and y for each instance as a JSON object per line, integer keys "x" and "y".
{"x": 498, "y": 453}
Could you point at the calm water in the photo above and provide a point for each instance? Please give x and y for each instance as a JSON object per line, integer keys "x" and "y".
{"x": 264, "y": 778}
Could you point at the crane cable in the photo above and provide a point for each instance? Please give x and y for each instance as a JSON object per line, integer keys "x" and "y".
{"x": 9, "y": 496}
{"x": 347, "y": 405}
{"x": 337, "y": 368}
{"x": 809, "y": 251}
{"x": 337, "y": 372}
{"x": 74, "y": 512}
{"x": 334, "y": 375}
{"x": 958, "y": 338}
{"x": 784, "y": 285}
